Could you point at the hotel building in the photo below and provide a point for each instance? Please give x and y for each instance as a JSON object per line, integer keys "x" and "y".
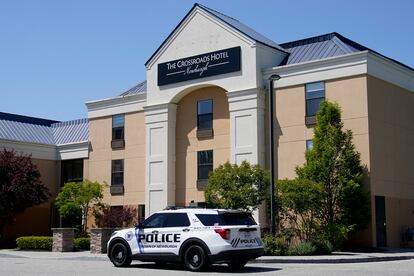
{"x": 204, "y": 102}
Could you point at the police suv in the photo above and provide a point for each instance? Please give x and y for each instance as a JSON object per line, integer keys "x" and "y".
{"x": 196, "y": 237}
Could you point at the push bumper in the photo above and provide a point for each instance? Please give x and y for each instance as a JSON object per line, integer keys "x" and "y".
{"x": 249, "y": 254}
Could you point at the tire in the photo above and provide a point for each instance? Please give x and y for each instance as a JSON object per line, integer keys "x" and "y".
{"x": 195, "y": 258}
{"x": 120, "y": 255}
{"x": 237, "y": 264}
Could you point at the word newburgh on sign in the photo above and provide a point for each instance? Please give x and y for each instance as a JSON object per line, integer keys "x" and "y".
{"x": 200, "y": 66}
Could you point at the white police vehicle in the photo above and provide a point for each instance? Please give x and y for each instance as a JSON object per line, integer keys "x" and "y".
{"x": 196, "y": 237}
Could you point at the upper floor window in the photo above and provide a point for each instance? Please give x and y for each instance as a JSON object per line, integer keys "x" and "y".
{"x": 205, "y": 114}
{"x": 117, "y": 172}
{"x": 315, "y": 95}
{"x": 118, "y": 122}
{"x": 205, "y": 164}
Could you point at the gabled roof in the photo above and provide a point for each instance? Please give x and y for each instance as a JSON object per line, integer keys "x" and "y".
{"x": 318, "y": 47}
{"x": 246, "y": 30}
{"x": 74, "y": 131}
{"x": 41, "y": 131}
{"x": 325, "y": 46}
{"x": 137, "y": 89}
{"x": 229, "y": 21}
{"x": 26, "y": 119}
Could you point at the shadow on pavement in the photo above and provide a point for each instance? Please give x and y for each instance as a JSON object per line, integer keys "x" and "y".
{"x": 250, "y": 268}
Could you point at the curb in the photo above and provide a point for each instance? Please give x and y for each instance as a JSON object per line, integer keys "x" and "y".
{"x": 333, "y": 261}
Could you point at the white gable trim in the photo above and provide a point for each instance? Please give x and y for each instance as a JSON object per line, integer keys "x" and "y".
{"x": 116, "y": 105}
{"x": 38, "y": 151}
{"x": 186, "y": 21}
{"x": 354, "y": 64}
{"x": 73, "y": 151}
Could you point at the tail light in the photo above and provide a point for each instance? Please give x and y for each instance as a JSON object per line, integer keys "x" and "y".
{"x": 224, "y": 233}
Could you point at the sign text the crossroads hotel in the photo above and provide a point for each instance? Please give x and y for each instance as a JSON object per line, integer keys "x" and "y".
{"x": 200, "y": 66}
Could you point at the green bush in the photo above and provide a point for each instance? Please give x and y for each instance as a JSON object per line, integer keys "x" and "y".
{"x": 274, "y": 246}
{"x": 323, "y": 247}
{"x": 35, "y": 242}
{"x": 82, "y": 243}
{"x": 304, "y": 248}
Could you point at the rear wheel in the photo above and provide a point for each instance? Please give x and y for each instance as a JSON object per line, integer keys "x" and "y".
{"x": 237, "y": 264}
{"x": 119, "y": 255}
{"x": 195, "y": 258}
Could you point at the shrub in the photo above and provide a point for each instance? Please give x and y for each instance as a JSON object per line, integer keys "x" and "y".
{"x": 323, "y": 247}
{"x": 274, "y": 246}
{"x": 105, "y": 216}
{"x": 35, "y": 242}
{"x": 304, "y": 248}
{"x": 82, "y": 243}
{"x": 234, "y": 186}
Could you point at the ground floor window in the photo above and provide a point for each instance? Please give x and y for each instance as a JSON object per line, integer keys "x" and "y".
{"x": 141, "y": 213}
{"x": 204, "y": 164}
{"x": 309, "y": 144}
{"x": 72, "y": 171}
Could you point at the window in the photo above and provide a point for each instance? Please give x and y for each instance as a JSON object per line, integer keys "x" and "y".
{"x": 118, "y": 122}
{"x": 226, "y": 219}
{"x": 155, "y": 221}
{"x": 205, "y": 164}
{"x": 72, "y": 171}
{"x": 177, "y": 220}
{"x": 315, "y": 94}
{"x": 309, "y": 144}
{"x": 117, "y": 172}
{"x": 141, "y": 213}
{"x": 205, "y": 114}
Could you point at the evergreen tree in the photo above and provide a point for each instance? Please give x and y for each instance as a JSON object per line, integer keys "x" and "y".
{"x": 334, "y": 163}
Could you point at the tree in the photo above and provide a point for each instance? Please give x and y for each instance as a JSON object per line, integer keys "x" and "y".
{"x": 75, "y": 199}
{"x": 334, "y": 163}
{"x": 237, "y": 187}
{"x": 20, "y": 186}
{"x": 299, "y": 202}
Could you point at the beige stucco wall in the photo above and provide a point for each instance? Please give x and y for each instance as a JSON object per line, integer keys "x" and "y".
{"x": 38, "y": 220}
{"x": 98, "y": 166}
{"x": 391, "y": 128}
{"x": 187, "y": 143}
{"x": 291, "y": 132}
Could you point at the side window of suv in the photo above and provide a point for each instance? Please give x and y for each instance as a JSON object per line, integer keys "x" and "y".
{"x": 155, "y": 221}
{"x": 177, "y": 220}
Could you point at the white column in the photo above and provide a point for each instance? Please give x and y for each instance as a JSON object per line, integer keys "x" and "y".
{"x": 160, "y": 157}
{"x": 247, "y": 132}
{"x": 247, "y": 126}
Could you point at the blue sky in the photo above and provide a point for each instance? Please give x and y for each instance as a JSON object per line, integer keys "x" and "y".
{"x": 56, "y": 55}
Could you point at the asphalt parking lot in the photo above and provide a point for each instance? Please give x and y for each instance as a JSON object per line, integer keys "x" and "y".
{"x": 55, "y": 264}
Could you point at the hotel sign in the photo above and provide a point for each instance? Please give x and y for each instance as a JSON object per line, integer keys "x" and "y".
{"x": 200, "y": 66}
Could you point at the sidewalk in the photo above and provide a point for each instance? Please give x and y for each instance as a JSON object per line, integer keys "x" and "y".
{"x": 336, "y": 257}
{"x": 81, "y": 255}
{"x": 341, "y": 257}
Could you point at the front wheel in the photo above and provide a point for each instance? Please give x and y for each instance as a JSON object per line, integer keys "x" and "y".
{"x": 195, "y": 258}
{"x": 237, "y": 264}
{"x": 119, "y": 255}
